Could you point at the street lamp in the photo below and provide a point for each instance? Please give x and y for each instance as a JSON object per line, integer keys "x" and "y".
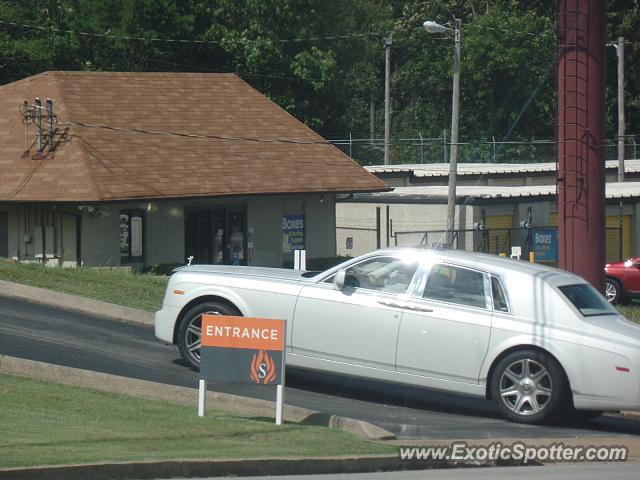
{"x": 433, "y": 27}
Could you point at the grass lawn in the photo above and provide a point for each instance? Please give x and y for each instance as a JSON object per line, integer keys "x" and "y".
{"x": 115, "y": 286}
{"x": 631, "y": 310}
{"x": 47, "y": 424}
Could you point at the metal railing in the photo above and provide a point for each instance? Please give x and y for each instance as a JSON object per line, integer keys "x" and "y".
{"x": 421, "y": 149}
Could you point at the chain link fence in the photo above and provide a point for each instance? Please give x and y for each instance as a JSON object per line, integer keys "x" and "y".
{"x": 437, "y": 149}
{"x": 352, "y": 242}
{"x": 499, "y": 241}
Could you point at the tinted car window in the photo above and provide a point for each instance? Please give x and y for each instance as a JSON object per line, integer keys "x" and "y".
{"x": 385, "y": 274}
{"x": 587, "y": 299}
{"x": 499, "y": 297}
{"x": 456, "y": 285}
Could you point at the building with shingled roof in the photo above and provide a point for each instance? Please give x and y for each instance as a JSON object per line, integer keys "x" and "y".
{"x": 149, "y": 168}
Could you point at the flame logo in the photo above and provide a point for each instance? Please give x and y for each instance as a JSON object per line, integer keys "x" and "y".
{"x": 263, "y": 368}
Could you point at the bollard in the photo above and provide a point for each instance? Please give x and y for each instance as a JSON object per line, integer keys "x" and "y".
{"x": 532, "y": 257}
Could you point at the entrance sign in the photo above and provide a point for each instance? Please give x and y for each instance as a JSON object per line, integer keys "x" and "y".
{"x": 242, "y": 350}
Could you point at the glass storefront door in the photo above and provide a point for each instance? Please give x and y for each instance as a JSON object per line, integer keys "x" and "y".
{"x": 215, "y": 235}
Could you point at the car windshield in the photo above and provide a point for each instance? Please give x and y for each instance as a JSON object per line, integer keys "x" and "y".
{"x": 587, "y": 299}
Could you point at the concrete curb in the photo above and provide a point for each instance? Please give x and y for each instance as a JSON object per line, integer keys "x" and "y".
{"x": 185, "y": 396}
{"x": 629, "y": 413}
{"x": 245, "y": 467}
{"x": 75, "y": 303}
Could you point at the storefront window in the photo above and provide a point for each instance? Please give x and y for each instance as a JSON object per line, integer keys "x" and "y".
{"x": 131, "y": 236}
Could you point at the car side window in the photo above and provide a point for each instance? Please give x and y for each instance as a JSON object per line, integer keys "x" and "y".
{"x": 384, "y": 274}
{"x": 456, "y": 285}
{"x": 499, "y": 297}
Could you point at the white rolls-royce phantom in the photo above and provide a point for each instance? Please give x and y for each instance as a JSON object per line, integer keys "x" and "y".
{"x": 537, "y": 340}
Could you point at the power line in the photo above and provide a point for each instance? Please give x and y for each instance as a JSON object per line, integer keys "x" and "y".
{"x": 495, "y": 29}
{"x": 196, "y": 135}
{"x": 213, "y": 70}
{"x": 96, "y": 153}
{"x": 509, "y": 30}
{"x": 270, "y": 77}
{"x": 190, "y": 41}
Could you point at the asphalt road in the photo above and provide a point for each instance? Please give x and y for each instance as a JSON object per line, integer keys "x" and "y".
{"x": 65, "y": 338}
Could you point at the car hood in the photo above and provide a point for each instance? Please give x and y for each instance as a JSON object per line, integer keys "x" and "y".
{"x": 622, "y": 263}
{"x": 264, "y": 272}
{"x": 615, "y": 264}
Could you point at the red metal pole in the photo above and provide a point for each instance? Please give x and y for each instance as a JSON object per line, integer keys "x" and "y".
{"x": 581, "y": 31}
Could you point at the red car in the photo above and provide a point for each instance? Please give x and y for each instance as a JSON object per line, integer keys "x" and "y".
{"x": 622, "y": 280}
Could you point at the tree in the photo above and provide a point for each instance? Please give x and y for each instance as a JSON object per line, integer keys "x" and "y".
{"x": 322, "y": 60}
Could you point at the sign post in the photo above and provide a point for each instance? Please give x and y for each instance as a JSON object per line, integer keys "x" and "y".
{"x": 202, "y": 398}
{"x": 242, "y": 349}
{"x": 280, "y": 386}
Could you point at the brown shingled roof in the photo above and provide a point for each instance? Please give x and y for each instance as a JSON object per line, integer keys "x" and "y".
{"x": 98, "y": 164}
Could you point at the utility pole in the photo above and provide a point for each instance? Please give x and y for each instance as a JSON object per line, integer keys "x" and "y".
{"x": 387, "y": 96}
{"x": 455, "y": 116}
{"x": 433, "y": 27}
{"x": 621, "y": 125}
{"x": 580, "y": 80}
{"x": 372, "y": 119}
{"x": 39, "y": 135}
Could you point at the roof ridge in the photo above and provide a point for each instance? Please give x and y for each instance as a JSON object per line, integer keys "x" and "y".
{"x": 130, "y": 166}
{"x": 75, "y": 73}
{"x": 56, "y": 90}
{"x": 313, "y": 132}
{"x": 84, "y": 144}
{"x": 59, "y": 86}
{"x": 89, "y": 168}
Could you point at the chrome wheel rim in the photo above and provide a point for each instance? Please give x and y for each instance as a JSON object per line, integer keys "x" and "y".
{"x": 610, "y": 292}
{"x": 193, "y": 335}
{"x": 526, "y": 387}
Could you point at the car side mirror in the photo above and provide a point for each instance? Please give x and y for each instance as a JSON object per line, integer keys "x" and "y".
{"x": 339, "y": 279}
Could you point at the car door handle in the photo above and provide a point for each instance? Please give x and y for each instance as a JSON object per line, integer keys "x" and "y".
{"x": 390, "y": 304}
{"x": 418, "y": 309}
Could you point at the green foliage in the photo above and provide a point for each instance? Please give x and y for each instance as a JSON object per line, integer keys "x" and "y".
{"x": 282, "y": 48}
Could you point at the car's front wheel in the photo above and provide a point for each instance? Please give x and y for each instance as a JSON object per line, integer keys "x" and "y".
{"x": 190, "y": 328}
{"x": 528, "y": 386}
{"x": 613, "y": 290}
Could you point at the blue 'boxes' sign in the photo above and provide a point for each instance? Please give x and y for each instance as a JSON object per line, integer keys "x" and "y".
{"x": 293, "y": 232}
{"x": 545, "y": 244}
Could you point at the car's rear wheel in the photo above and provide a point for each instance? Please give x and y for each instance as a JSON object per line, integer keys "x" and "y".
{"x": 528, "y": 386}
{"x": 189, "y": 330}
{"x": 613, "y": 290}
